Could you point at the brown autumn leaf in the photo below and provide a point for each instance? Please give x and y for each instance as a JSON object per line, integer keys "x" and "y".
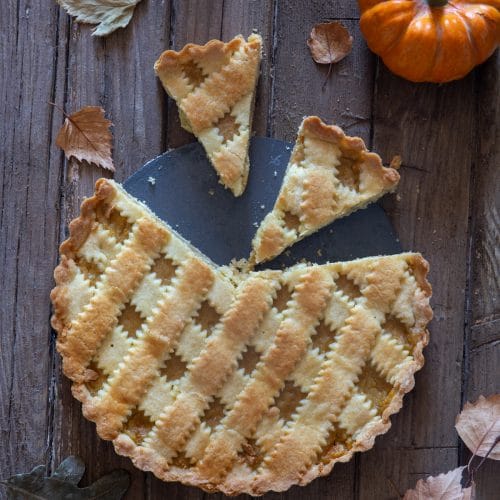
{"x": 443, "y": 487}
{"x": 85, "y": 135}
{"x": 329, "y": 42}
{"x": 479, "y": 426}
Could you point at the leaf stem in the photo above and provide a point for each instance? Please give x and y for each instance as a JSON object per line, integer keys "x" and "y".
{"x": 327, "y": 77}
{"x": 59, "y": 108}
{"x": 471, "y": 471}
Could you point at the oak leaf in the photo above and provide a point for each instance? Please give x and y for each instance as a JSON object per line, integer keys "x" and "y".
{"x": 109, "y": 15}
{"x": 85, "y": 135}
{"x": 479, "y": 426}
{"x": 329, "y": 42}
{"x": 443, "y": 487}
{"x": 64, "y": 484}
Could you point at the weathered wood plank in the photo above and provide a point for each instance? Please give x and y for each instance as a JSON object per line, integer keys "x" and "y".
{"x": 436, "y": 140}
{"x": 30, "y": 172}
{"x": 116, "y": 73}
{"x": 298, "y": 90}
{"x": 388, "y": 470}
{"x": 483, "y": 337}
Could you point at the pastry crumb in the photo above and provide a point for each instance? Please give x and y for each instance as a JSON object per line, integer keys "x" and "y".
{"x": 211, "y": 192}
{"x": 255, "y": 224}
{"x": 262, "y": 207}
{"x": 275, "y": 174}
{"x": 319, "y": 252}
{"x": 151, "y": 180}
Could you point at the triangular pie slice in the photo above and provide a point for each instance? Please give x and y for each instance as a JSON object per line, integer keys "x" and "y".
{"x": 239, "y": 383}
{"x": 329, "y": 176}
{"x": 214, "y": 88}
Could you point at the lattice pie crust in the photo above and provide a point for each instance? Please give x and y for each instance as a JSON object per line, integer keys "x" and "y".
{"x": 214, "y": 87}
{"x": 329, "y": 176}
{"x": 230, "y": 382}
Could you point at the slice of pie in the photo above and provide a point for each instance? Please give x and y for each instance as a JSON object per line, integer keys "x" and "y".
{"x": 329, "y": 176}
{"x": 239, "y": 383}
{"x": 214, "y": 88}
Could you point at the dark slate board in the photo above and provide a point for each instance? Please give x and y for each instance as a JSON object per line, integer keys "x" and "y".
{"x": 186, "y": 194}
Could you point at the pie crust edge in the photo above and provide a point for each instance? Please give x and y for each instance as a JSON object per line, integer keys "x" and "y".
{"x": 147, "y": 459}
{"x": 268, "y": 241}
{"x": 226, "y": 162}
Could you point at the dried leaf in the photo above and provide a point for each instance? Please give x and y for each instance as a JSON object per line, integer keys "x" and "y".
{"x": 85, "y": 135}
{"x": 63, "y": 484}
{"x": 479, "y": 426}
{"x": 109, "y": 15}
{"x": 443, "y": 487}
{"x": 329, "y": 42}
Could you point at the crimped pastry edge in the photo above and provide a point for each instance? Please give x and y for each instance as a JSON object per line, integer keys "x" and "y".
{"x": 173, "y": 57}
{"x": 150, "y": 461}
{"x": 356, "y": 149}
{"x": 147, "y": 459}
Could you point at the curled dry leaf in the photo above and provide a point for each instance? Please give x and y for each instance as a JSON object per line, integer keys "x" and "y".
{"x": 64, "y": 484}
{"x": 479, "y": 426}
{"x": 109, "y": 15}
{"x": 329, "y": 42}
{"x": 443, "y": 487}
{"x": 85, "y": 135}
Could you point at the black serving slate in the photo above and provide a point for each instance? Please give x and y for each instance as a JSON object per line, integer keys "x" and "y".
{"x": 181, "y": 188}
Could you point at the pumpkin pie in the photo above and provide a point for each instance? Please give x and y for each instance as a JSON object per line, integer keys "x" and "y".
{"x": 329, "y": 176}
{"x": 232, "y": 382}
{"x": 214, "y": 88}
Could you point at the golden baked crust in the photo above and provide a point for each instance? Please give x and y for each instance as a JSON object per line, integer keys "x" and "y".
{"x": 240, "y": 383}
{"x": 329, "y": 176}
{"x": 214, "y": 87}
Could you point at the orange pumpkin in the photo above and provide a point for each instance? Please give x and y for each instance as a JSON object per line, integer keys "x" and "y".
{"x": 431, "y": 40}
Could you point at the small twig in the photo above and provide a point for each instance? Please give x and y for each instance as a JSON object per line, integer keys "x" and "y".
{"x": 391, "y": 482}
{"x": 471, "y": 471}
{"x": 59, "y": 108}
{"x": 327, "y": 77}
{"x": 331, "y": 63}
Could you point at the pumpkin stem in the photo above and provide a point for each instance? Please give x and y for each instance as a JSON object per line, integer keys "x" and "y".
{"x": 437, "y": 3}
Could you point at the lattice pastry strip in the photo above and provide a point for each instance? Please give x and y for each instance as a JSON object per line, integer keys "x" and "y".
{"x": 329, "y": 176}
{"x": 232, "y": 382}
{"x": 214, "y": 86}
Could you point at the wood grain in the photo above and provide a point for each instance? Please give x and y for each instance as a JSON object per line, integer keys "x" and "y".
{"x": 447, "y": 207}
{"x": 30, "y": 176}
{"x": 482, "y": 356}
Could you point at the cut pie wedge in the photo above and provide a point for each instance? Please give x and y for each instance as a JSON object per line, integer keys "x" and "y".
{"x": 329, "y": 176}
{"x": 240, "y": 383}
{"x": 214, "y": 88}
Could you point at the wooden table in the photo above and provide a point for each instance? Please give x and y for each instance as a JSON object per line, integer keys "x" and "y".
{"x": 447, "y": 207}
